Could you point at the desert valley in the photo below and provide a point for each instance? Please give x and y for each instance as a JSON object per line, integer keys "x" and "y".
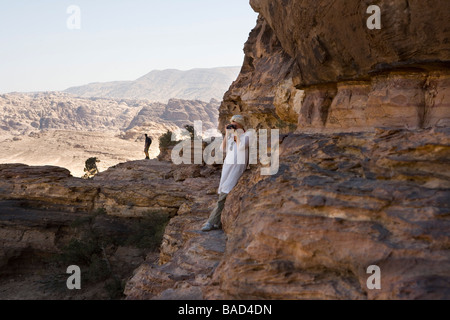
{"x": 66, "y": 128}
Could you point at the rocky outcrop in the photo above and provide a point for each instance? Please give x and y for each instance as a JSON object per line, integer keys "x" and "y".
{"x": 31, "y": 113}
{"x": 47, "y": 197}
{"x": 330, "y": 40}
{"x": 125, "y": 190}
{"x": 46, "y": 187}
{"x": 264, "y": 90}
{"x": 362, "y": 177}
{"x": 318, "y": 63}
{"x": 130, "y": 189}
{"x": 339, "y": 204}
{"x": 184, "y": 112}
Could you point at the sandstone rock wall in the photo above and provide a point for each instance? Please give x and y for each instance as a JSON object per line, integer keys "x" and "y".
{"x": 411, "y": 100}
{"x": 339, "y": 204}
{"x": 265, "y": 81}
{"x": 330, "y": 40}
{"x": 125, "y": 190}
{"x": 314, "y": 66}
{"x": 363, "y": 173}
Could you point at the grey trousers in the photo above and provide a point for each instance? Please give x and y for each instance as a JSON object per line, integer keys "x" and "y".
{"x": 216, "y": 214}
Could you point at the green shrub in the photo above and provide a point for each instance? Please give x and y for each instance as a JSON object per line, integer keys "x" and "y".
{"x": 115, "y": 288}
{"x": 90, "y": 250}
{"x": 165, "y": 141}
{"x": 88, "y": 254}
{"x": 148, "y": 231}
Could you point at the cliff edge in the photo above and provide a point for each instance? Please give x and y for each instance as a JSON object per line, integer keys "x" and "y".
{"x": 363, "y": 169}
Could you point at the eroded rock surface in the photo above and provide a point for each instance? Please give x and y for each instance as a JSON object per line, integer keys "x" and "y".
{"x": 315, "y": 66}
{"x": 38, "y": 204}
{"x": 188, "y": 256}
{"x": 330, "y": 41}
{"x": 363, "y": 173}
{"x": 339, "y": 204}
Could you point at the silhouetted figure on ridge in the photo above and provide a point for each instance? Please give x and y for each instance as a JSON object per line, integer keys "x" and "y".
{"x": 148, "y": 142}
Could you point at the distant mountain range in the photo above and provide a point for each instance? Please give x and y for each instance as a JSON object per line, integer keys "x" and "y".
{"x": 163, "y": 85}
{"x": 23, "y": 114}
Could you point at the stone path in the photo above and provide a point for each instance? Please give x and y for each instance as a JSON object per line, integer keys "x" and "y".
{"x": 187, "y": 261}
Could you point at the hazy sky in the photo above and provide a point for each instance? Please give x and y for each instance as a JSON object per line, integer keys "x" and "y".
{"x": 118, "y": 39}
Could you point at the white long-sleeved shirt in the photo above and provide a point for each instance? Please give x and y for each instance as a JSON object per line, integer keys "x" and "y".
{"x": 235, "y": 163}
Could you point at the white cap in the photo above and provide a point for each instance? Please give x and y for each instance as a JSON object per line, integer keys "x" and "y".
{"x": 238, "y": 119}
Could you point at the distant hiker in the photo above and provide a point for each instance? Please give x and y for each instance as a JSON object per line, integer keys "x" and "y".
{"x": 236, "y": 145}
{"x": 148, "y": 142}
{"x": 90, "y": 168}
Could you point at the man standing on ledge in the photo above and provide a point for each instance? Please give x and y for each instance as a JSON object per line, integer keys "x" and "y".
{"x": 236, "y": 143}
{"x": 148, "y": 142}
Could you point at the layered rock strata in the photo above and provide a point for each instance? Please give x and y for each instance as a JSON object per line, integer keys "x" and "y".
{"x": 339, "y": 204}
{"x": 38, "y": 204}
{"x": 317, "y": 67}
{"x": 25, "y": 114}
{"x": 363, "y": 180}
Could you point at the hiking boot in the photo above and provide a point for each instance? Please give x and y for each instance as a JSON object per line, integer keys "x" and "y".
{"x": 207, "y": 227}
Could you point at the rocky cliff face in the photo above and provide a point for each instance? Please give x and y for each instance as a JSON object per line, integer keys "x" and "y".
{"x": 264, "y": 90}
{"x": 317, "y": 67}
{"x": 339, "y": 204}
{"x": 330, "y": 40}
{"x": 363, "y": 179}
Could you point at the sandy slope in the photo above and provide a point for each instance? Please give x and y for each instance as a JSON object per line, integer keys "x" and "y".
{"x": 70, "y": 149}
